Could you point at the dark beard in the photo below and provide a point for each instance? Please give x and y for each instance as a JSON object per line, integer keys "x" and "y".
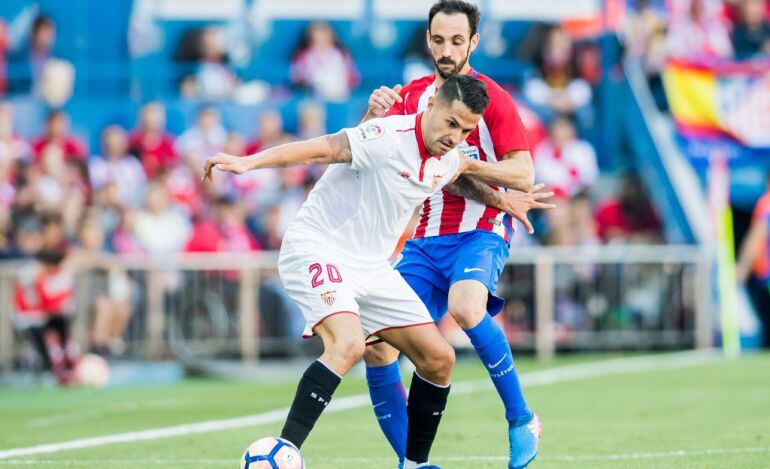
{"x": 452, "y": 72}
{"x": 457, "y": 68}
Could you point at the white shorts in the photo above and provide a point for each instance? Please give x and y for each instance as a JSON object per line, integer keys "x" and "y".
{"x": 323, "y": 284}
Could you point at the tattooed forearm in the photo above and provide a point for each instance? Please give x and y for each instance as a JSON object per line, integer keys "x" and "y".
{"x": 468, "y": 187}
{"x": 340, "y": 148}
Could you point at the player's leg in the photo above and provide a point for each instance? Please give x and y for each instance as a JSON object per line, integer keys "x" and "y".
{"x": 383, "y": 375}
{"x": 471, "y": 303}
{"x": 325, "y": 291}
{"x": 388, "y": 394}
{"x": 433, "y": 358}
{"x": 343, "y": 341}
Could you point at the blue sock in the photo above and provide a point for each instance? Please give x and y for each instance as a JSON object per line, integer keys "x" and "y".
{"x": 492, "y": 348}
{"x": 389, "y": 400}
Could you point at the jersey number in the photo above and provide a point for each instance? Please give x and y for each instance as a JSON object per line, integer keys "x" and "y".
{"x": 332, "y": 273}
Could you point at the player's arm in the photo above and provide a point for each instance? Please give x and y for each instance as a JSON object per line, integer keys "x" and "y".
{"x": 515, "y": 171}
{"x": 327, "y": 149}
{"x": 515, "y": 203}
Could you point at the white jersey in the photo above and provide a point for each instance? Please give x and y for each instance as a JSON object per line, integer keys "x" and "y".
{"x": 359, "y": 210}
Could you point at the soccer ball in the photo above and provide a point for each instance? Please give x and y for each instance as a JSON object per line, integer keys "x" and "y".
{"x": 92, "y": 370}
{"x": 272, "y": 453}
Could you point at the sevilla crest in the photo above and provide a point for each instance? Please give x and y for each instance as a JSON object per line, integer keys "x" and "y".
{"x": 328, "y": 297}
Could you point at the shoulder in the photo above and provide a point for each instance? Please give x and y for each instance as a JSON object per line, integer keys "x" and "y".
{"x": 418, "y": 86}
{"x": 496, "y": 92}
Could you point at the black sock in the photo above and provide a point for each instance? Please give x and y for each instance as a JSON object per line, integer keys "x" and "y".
{"x": 314, "y": 392}
{"x": 425, "y": 407}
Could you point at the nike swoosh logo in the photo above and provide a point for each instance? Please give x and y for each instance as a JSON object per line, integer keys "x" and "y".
{"x": 466, "y": 270}
{"x": 377, "y": 405}
{"x": 492, "y": 367}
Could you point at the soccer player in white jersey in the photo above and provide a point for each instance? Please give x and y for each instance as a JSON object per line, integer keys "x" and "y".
{"x": 334, "y": 257}
{"x": 460, "y": 246}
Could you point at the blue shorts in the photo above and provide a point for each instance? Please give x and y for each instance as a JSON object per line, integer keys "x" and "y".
{"x": 431, "y": 265}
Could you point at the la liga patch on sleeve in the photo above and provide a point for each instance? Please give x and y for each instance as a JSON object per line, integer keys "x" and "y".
{"x": 369, "y": 132}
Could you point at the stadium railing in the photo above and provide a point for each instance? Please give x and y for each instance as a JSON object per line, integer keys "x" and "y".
{"x": 200, "y": 306}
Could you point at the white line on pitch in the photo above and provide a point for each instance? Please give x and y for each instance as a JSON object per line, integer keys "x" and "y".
{"x": 537, "y": 378}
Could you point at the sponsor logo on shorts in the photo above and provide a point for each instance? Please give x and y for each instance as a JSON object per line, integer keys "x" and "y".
{"x": 328, "y": 297}
{"x": 369, "y": 132}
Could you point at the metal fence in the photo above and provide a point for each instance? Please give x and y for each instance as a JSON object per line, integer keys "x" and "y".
{"x": 233, "y": 306}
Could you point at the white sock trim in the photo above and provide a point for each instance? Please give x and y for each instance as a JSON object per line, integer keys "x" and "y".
{"x": 327, "y": 367}
{"x": 442, "y": 386}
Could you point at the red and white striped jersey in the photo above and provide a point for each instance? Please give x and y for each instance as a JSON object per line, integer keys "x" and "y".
{"x": 500, "y": 131}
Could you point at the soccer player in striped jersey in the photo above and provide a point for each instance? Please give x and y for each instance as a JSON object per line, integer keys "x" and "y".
{"x": 460, "y": 246}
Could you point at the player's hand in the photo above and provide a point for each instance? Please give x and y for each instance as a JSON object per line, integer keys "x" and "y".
{"x": 382, "y": 99}
{"x": 517, "y": 204}
{"x": 224, "y": 162}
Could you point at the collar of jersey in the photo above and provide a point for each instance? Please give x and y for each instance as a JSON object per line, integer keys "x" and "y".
{"x": 424, "y": 154}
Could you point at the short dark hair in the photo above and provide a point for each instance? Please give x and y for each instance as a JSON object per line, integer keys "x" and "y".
{"x": 468, "y": 90}
{"x": 449, "y": 7}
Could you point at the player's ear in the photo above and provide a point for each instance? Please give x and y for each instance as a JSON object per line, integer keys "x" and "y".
{"x": 474, "y": 42}
{"x": 431, "y": 102}
{"x": 427, "y": 37}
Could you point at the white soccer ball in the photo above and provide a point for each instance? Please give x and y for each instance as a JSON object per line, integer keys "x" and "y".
{"x": 92, "y": 370}
{"x": 272, "y": 453}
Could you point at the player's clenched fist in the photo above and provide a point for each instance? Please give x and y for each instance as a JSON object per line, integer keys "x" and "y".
{"x": 225, "y": 162}
{"x": 382, "y": 99}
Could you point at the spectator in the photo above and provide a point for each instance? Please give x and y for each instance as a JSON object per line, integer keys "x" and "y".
{"x": 57, "y": 134}
{"x": 697, "y": 31}
{"x": 311, "y": 120}
{"x": 558, "y": 90}
{"x": 571, "y": 222}
{"x": 751, "y": 33}
{"x": 563, "y": 162}
{"x": 207, "y": 137}
{"x": 270, "y": 133}
{"x": 44, "y": 308}
{"x": 118, "y": 166}
{"x": 54, "y": 233}
{"x": 753, "y": 267}
{"x": 646, "y": 43}
{"x": 628, "y": 218}
{"x": 12, "y": 147}
{"x": 322, "y": 65}
{"x": 214, "y": 79}
{"x": 124, "y": 239}
{"x": 161, "y": 228}
{"x": 108, "y": 289}
{"x": 35, "y": 56}
{"x": 150, "y": 142}
{"x": 227, "y": 232}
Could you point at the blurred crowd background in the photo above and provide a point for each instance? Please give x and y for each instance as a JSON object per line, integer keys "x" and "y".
{"x": 108, "y": 109}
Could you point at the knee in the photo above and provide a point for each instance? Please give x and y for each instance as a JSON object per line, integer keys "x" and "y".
{"x": 380, "y": 355}
{"x": 466, "y": 314}
{"x": 348, "y": 350}
{"x": 438, "y": 363}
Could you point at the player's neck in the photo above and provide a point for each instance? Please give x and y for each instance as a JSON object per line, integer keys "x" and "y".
{"x": 440, "y": 80}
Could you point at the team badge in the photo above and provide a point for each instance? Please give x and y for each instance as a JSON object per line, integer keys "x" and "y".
{"x": 436, "y": 179}
{"x": 369, "y": 132}
{"x": 328, "y": 297}
{"x": 405, "y": 174}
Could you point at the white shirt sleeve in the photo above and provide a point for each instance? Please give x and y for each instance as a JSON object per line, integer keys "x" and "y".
{"x": 371, "y": 144}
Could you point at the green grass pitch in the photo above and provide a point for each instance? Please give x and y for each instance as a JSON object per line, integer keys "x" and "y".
{"x": 705, "y": 416}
